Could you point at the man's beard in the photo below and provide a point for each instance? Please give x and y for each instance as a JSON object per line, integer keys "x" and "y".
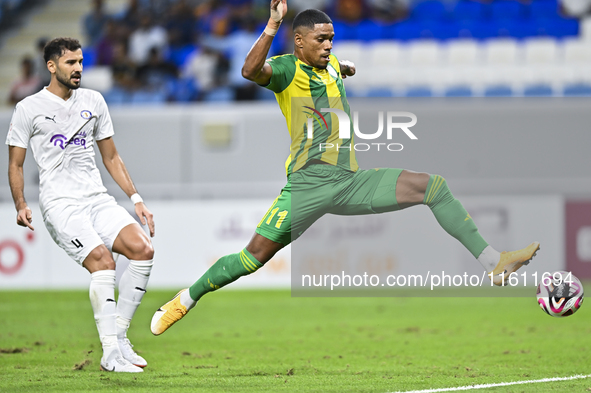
{"x": 67, "y": 82}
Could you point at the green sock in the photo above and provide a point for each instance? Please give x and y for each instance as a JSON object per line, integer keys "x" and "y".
{"x": 452, "y": 216}
{"x": 226, "y": 270}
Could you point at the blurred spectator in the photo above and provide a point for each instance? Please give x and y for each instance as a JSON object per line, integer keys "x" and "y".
{"x": 213, "y": 18}
{"x": 202, "y": 67}
{"x": 576, "y": 8}
{"x": 388, "y": 10}
{"x": 301, "y": 5}
{"x": 239, "y": 10}
{"x": 146, "y": 37}
{"x": 105, "y": 45}
{"x": 180, "y": 24}
{"x": 122, "y": 68}
{"x": 40, "y": 66}
{"x": 129, "y": 19}
{"x": 27, "y": 84}
{"x": 94, "y": 23}
{"x": 350, "y": 11}
{"x": 156, "y": 72}
{"x": 238, "y": 46}
{"x": 159, "y": 7}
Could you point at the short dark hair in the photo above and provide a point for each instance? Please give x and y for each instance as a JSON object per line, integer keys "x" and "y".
{"x": 309, "y": 18}
{"x": 56, "y": 48}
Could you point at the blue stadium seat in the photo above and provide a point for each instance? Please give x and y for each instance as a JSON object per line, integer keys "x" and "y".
{"x": 389, "y": 31}
{"x": 412, "y": 30}
{"x": 477, "y": 29}
{"x": 558, "y": 27}
{"x": 518, "y": 28}
{"x": 352, "y": 92}
{"x": 117, "y": 96}
{"x": 505, "y": 9}
{"x": 459, "y": 91}
{"x": 544, "y": 8}
{"x": 579, "y": 89}
{"x": 221, "y": 94}
{"x": 498, "y": 91}
{"x": 344, "y": 31}
{"x": 179, "y": 55}
{"x": 429, "y": 10}
{"x": 419, "y": 92}
{"x": 90, "y": 56}
{"x": 538, "y": 91}
{"x": 144, "y": 97}
{"x": 182, "y": 90}
{"x": 445, "y": 30}
{"x": 469, "y": 10}
{"x": 380, "y": 92}
{"x": 369, "y": 30}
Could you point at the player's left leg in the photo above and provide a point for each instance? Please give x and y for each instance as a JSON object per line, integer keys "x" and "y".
{"x": 371, "y": 192}
{"x": 414, "y": 188}
{"x": 134, "y": 244}
{"x": 123, "y": 235}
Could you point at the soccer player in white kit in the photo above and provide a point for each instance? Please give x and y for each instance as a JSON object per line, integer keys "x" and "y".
{"x": 62, "y": 123}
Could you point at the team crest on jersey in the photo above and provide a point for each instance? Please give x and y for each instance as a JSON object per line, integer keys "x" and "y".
{"x": 86, "y": 114}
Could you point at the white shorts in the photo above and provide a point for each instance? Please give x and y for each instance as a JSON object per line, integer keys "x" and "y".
{"x": 78, "y": 228}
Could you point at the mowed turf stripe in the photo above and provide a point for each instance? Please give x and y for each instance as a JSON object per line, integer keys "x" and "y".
{"x": 494, "y": 385}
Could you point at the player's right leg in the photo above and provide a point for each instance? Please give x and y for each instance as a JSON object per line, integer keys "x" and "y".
{"x": 278, "y": 227}
{"x": 224, "y": 271}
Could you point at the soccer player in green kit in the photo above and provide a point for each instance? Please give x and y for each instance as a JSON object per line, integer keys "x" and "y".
{"x": 328, "y": 180}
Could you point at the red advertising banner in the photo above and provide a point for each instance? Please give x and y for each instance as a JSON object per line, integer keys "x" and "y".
{"x": 578, "y": 238}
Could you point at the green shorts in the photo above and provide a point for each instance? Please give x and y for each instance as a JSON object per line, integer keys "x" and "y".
{"x": 318, "y": 189}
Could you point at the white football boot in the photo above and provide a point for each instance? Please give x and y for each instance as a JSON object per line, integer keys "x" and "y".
{"x": 129, "y": 354}
{"x": 115, "y": 362}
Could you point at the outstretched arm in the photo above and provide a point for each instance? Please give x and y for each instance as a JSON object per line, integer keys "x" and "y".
{"x": 255, "y": 68}
{"x": 16, "y": 159}
{"x": 118, "y": 172}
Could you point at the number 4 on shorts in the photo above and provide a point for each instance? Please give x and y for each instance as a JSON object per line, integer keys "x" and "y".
{"x": 77, "y": 243}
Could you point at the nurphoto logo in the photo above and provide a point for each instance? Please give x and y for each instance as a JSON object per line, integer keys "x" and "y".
{"x": 392, "y": 123}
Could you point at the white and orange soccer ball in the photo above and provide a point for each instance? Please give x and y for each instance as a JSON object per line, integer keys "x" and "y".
{"x": 560, "y": 294}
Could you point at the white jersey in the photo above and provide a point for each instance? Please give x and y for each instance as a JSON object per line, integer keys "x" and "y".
{"x": 62, "y": 135}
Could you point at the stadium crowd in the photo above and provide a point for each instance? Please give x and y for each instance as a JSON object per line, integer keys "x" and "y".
{"x": 184, "y": 50}
{"x": 159, "y": 51}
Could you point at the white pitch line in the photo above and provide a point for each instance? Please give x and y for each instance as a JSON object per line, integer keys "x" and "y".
{"x": 493, "y": 385}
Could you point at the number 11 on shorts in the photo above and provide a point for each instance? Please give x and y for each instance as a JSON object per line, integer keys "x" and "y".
{"x": 281, "y": 217}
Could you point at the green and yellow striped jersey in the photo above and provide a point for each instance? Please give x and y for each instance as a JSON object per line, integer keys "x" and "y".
{"x": 302, "y": 91}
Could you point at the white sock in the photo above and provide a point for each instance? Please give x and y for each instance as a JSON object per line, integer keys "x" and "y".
{"x": 187, "y": 301}
{"x": 102, "y": 299}
{"x": 132, "y": 288}
{"x": 489, "y": 258}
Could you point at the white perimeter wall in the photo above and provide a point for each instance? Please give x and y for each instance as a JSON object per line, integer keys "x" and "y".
{"x": 191, "y": 235}
{"x": 481, "y": 146}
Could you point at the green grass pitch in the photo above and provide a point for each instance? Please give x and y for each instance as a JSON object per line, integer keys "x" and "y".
{"x": 267, "y": 341}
